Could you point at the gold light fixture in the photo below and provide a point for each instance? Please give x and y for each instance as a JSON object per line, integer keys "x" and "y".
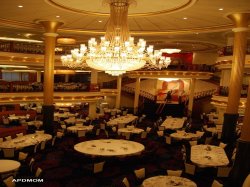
{"x": 117, "y": 51}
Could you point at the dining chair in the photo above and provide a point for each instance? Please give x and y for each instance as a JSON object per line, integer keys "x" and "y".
{"x": 144, "y": 135}
{"x": 148, "y": 129}
{"x": 81, "y": 133}
{"x": 98, "y": 167}
{"x": 208, "y": 140}
{"x": 192, "y": 143}
{"x": 246, "y": 182}
{"x": 8, "y": 138}
{"x": 22, "y": 156}
{"x": 43, "y": 145}
{"x": 174, "y": 172}
{"x": 9, "y": 182}
{"x": 223, "y": 171}
{"x": 160, "y": 133}
{"x": 8, "y": 152}
{"x": 216, "y": 184}
{"x": 19, "y": 134}
{"x": 38, "y": 172}
{"x": 125, "y": 182}
{"x": 140, "y": 173}
{"x": 190, "y": 168}
{"x": 222, "y": 145}
{"x": 168, "y": 140}
{"x": 161, "y": 128}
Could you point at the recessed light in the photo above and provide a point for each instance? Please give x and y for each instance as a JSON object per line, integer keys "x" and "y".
{"x": 58, "y": 16}
{"x": 20, "y": 6}
{"x": 100, "y": 21}
{"x": 185, "y": 18}
{"x": 220, "y": 8}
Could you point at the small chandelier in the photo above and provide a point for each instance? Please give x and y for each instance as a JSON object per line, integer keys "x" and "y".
{"x": 117, "y": 51}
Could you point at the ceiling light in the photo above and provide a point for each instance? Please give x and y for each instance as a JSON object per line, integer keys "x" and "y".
{"x": 20, "y": 40}
{"x": 65, "y": 40}
{"x": 221, "y": 9}
{"x": 185, "y": 18}
{"x": 117, "y": 51}
{"x": 58, "y": 16}
{"x": 20, "y": 6}
{"x": 100, "y": 21}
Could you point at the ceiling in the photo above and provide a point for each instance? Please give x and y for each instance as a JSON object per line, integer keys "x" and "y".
{"x": 191, "y": 25}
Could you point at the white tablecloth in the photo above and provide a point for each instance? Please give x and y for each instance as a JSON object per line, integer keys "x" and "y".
{"x": 168, "y": 181}
{"x": 109, "y": 147}
{"x": 8, "y": 165}
{"x": 208, "y": 156}
{"x": 215, "y": 130}
{"x": 173, "y": 123}
{"x": 11, "y": 118}
{"x": 64, "y": 115}
{"x": 123, "y": 119}
{"x": 74, "y": 121}
{"x": 78, "y": 128}
{"x": 132, "y": 130}
{"x": 37, "y": 124}
{"x": 26, "y": 140}
{"x": 182, "y": 135}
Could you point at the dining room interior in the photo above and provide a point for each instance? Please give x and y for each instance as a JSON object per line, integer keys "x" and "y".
{"x": 124, "y": 93}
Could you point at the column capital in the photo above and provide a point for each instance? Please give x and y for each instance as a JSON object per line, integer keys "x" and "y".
{"x": 50, "y": 27}
{"x": 240, "y": 19}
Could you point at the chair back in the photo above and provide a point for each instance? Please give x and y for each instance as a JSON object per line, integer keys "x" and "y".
{"x": 161, "y": 128}
{"x": 53, "y": 141}
{"x": 121, "y": 125}
{"x": 246, "y": 182}
{"x": 6, "y": 121}
{"x": 81, "y": 133}
{"x": 19, "y": 134}
{"x": 223, "y": 171}
{"x": 217, "y": 184}
{"x": 222, "y": 145}
{"x": 160, "y": 133}
{"x": 140, "y": 173}
{"x": 174, "y": 172}
{"x": 43, "y": 144}
{"x": 38, "y": 172}
{"x": 9, "y": 182}
{"x": 59, "y": 134}
{"x": 8, "y": 138}
{"x": 8, "y": 152}
{"x": 208, "y": 140}
{"x": 148, "y": 129}
{"x": 102, "y": 126}
{"x": 98, "y": 167}
{"x": 22, "y": 156}
{"x": 168, "y": 140}
{"x": 192, "y": 143}
{"x": 144, "y": 134}
{"x": 35, "y": 148}
{"x": 189, "y": 169}
{"x": 126, "y": 182}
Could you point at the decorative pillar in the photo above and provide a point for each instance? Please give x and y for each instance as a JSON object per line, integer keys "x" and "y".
{"x": 93, "y": 84}
{"x": 66, "y": 78}
{"x": 191, "y": 96}
{"x": 93, "y": 81}
{"x": 38, "y": 76}
{"x": 48, "y": 85}
{"x": 137, "y": 94}
{"x": 118, "y": 96}
{"x": 241, "y": 166}
{"x": 240, "y": 43}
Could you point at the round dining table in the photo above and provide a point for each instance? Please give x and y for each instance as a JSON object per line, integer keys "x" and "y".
{"x": 8, "y": 165}
{"x": 109, "y": 147}
{"x": 76, "y": 128}
{"x": 168, "y": 181}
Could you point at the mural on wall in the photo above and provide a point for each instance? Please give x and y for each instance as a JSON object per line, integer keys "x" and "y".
{"x": 180, "y": 59}
{"x": 172, "y": 92}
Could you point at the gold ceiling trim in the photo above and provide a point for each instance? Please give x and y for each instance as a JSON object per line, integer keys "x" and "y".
{"x": 35, "y": 26}
{"x": 178, "y": 8}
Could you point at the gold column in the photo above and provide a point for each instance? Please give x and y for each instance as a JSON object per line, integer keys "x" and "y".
{"x": 240, "y": 43}
{"x": 48, "y": 83}
{"x": 49, "y": 56}
{"x": 245, "y": 130}
{"x": 137, "y": 94}
{"x": 118, "y": 96}
{"x": 191, "y": 96}
{"x": 93, "y": 84}
{"x": 241, "y": 165}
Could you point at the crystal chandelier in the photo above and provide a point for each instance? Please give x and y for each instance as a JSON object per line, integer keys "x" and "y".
{"x": 117, "y": 52}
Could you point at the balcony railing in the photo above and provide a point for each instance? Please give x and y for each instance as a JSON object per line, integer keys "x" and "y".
{"x": 228, "y": 51}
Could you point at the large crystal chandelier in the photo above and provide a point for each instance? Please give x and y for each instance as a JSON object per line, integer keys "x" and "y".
{"x": 117, "y": 51}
